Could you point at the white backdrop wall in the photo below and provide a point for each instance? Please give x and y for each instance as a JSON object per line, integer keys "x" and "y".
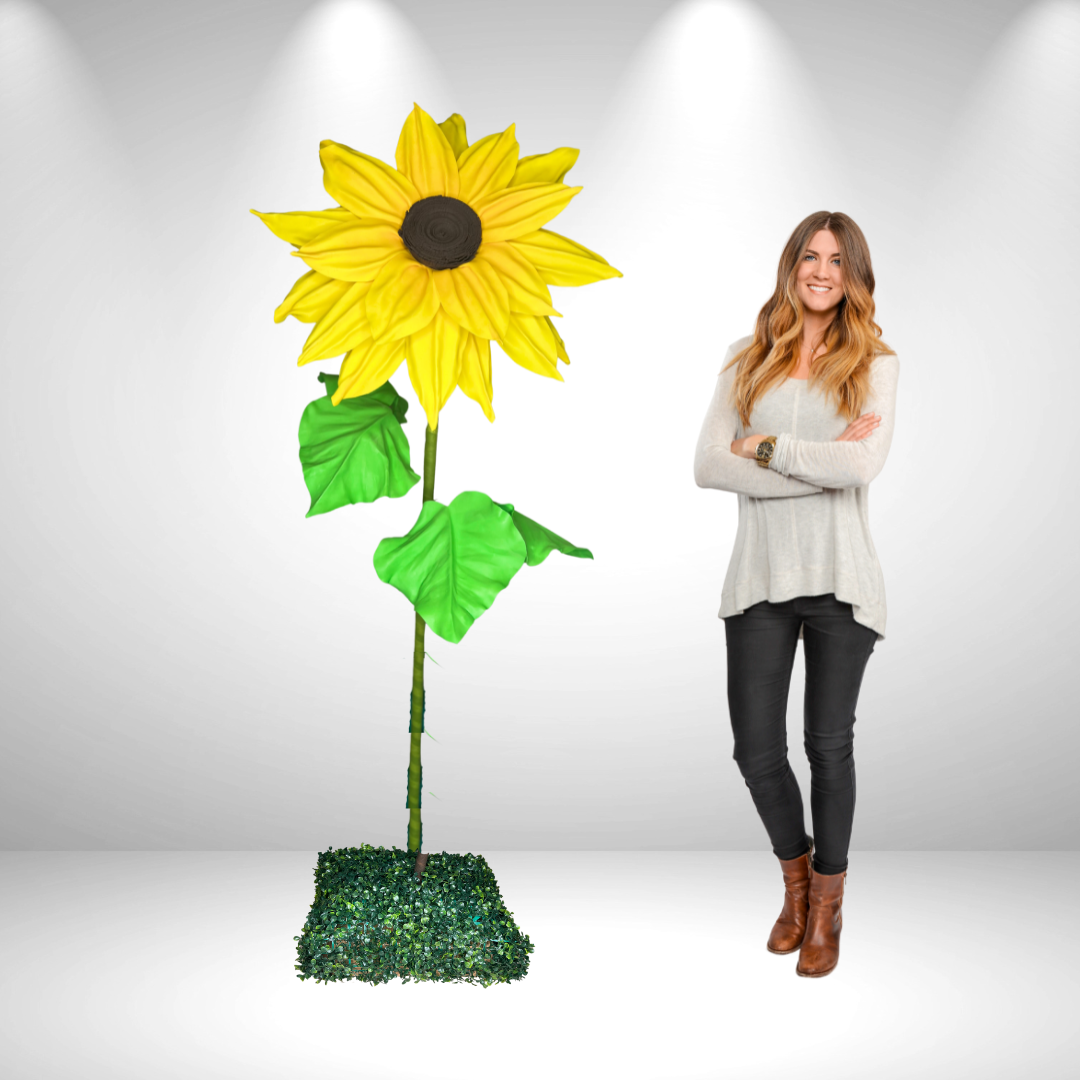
{"x": 189, "y": 663}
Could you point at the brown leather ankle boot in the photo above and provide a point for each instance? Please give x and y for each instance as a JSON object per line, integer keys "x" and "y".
{"x": 787, "y": 934}
{"x": 820, "y": 950}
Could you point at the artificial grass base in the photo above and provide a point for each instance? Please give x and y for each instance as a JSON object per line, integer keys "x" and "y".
{"x": 374, "y": 919}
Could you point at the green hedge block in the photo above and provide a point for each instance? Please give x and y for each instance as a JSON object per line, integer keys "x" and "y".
{"x": 373, "y": 919}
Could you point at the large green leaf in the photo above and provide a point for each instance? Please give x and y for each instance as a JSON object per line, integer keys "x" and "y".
{"x": 453, "y": 562}
{"x": 456, "y": 559}
{"x": 354, "y": 451}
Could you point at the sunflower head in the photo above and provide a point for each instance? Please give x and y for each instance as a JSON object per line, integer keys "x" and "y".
{"x": 433, "y": 258}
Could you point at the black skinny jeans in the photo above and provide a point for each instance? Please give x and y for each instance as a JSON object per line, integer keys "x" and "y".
{"x": 761, "y": 647}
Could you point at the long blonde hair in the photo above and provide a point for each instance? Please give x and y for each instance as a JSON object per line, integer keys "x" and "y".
{"x": 852, "y": 340}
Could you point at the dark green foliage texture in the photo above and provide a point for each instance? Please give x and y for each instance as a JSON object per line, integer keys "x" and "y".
{"x": 374, "y": 920}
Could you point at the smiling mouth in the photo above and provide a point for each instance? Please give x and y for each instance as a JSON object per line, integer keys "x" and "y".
{"x": 820, "y": 288}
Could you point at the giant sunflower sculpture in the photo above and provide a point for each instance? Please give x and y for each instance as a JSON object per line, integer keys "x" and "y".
{"x": 428, "y": 262}
{"x": 433, "y": 260}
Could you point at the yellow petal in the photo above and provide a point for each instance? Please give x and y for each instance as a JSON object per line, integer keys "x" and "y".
{"x": 528, "y": 341}
{"x": 512, "y": 212}
{"x": 549, "y": 168}
{"x": 487, "y": 165}
{"x": 402, "y": 299}
{"x": 474, "y": 378}
{"x": 367, "y": 367}
{"x": 475, "y": 297}
{"x": 426, "y": 157}
{"x": 560, "y": 346}
{"x": 310, "y": 298}
{"x": 526, "y": 289}
{"x": 434, "y": 356}
{"x": 371, "y": 189}
{"x": 561, "y": 261}
{"x": 453, "y": 127}
{"x": 352, "y": 252}
{"x": 303, "y": 226}
{"x": 343, "y": 326}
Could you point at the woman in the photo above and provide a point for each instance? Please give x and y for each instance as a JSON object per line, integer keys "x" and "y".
{"x": 804, "y": 565}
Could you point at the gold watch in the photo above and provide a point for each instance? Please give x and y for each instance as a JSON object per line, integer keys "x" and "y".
{"x": 765, "y": 450}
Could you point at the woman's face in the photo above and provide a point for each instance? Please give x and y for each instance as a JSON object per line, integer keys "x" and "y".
{"x": 820, "y": 266}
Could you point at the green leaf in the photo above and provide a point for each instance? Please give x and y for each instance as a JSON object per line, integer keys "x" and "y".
{"x": 354, "y": 451}
{"x": 456, "y": 559}
{"x": 453, "y": 562}
{"x": 539, "y": 541}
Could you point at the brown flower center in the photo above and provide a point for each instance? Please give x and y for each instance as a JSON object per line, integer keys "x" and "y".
{"x": 441, "y": 232}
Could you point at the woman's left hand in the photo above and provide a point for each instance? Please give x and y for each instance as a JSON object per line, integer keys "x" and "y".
{"x": 747, "y": 447}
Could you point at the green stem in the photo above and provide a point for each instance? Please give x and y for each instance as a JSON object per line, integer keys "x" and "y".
{"x": 416, "y": 716}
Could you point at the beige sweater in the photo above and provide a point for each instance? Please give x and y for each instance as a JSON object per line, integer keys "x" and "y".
{"x": 804, "y": 522}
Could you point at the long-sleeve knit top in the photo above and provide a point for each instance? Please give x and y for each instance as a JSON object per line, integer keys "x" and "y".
{"x": 804, "y": 522}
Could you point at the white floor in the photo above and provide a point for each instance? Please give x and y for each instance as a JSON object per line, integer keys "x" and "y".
{"x": 647, "y": 964}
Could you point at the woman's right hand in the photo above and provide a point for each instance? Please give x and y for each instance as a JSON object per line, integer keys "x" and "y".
{"x": 860, "y": 429}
